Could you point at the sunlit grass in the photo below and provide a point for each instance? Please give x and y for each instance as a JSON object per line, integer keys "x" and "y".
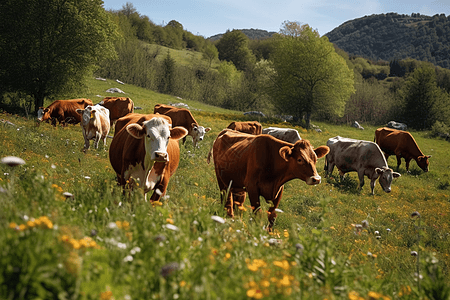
{"x": 104, "y": 244}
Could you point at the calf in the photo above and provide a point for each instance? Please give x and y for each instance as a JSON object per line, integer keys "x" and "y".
{"x": 65, "y": 111}
{"x": 145, "y": 149}
{"x": 260, "y": 165}
{"x": 183, "y": 117}
{"x": 363, "y": 157}
{"x": 401, "y": 144}
{"x": 95, "y": 124}
{"x": 285, "y": 134}
{"x": 250, "y": 127}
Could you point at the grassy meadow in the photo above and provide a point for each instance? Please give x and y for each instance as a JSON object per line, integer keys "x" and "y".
{"x": 101, "y": 244}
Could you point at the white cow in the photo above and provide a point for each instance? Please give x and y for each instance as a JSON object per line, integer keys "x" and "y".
{"x": 364, "y": 157}
{"x": 95, "y": 124}
{"x": 285, "y": 134}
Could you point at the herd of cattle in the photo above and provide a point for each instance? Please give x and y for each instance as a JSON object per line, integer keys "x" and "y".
{"x": 247, "y": 158}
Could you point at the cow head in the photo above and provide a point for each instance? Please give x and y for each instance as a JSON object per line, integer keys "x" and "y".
{"x": 86, "y": 114}
{"x": 302, "y": 159}
{"x": 156, "y": 133}
{"x": 43, "y": 114}
{"x": 198, "y": 133}
{"x": 422, "y": 162}
{"x": 386, "y": 175}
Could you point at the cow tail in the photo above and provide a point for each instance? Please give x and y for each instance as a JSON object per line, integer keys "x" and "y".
{"x": 208, "y": 160}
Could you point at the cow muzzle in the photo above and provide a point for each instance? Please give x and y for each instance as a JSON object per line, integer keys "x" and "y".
{"x": 161, "y": 157}
{"x": 313, "y": 180}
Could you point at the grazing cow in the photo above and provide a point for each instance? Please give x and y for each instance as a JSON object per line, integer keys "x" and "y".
{"x": 183, "y": 117}
{"x": 95, "y": 124}
{"x": 65, "y": 111}
{"x": 363, "y": 157}
{"x": 396, "y": 125}
{"x": 289, "y": 135}
{"x": 118, "y": 107}
{"x": 401, "y": 144}
{"x": 356, "y": 125}
{"x": 250, "y": 127}
{"x": 145, "y": 149}
{"x": 260, "y": 165}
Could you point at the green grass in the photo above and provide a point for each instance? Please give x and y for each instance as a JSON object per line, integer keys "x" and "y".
{"x": 313, "y": 253}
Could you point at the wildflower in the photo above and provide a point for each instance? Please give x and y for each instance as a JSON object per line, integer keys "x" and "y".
{"x": 122, "y": 245}
{"x": 374, "y": 295}
{"x": 169, "y": 220}
{"x": 135, "y": 250}
{"x": 388, "y": 230}
{"x": 285, "y": 281}
{"x": 112, "y": 225}
{"x": 218, "y": 219}
{"x": 75, "y": 244}
{"x": 377, "y": 232}
{"x": 182, "y": 283}
{"x": 171, "y": 227}
{"x": 106, "y": 295}
{"x": 156, "y": 203}
{"x": 68, "y": 195}
{"x": 414, "y": 253}
{"x": 254, "y": 293}
{"x": 378, "y": 237}
{"x": 279, "y": 210}
{"x": 284, "y": 264}
{"x": 169, "y": 269}
{"x": 128, "y": 258}
{"x": 12, "y": 161}
{"x": 126, "y": 225}
{"x": 22, "y": 227}
{"x": 13, "y": 225}
{"x": 227, "y": 256}
{"x": 286, "y": 233}
{"x": 265, "y": 283}
{"x": 354, "y": 296}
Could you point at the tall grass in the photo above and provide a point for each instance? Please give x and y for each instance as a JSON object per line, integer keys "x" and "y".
{"x": 102, "y": 244}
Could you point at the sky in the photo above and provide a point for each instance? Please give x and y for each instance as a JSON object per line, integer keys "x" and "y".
{"x": 210, "y": 17}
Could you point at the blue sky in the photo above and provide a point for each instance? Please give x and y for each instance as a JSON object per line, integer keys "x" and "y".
{"x": 210, "y": 17}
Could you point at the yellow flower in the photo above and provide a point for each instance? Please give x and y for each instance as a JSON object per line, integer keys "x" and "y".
{"x": 106, "y": 295}
{"x": 354, "y": 296}
{"x": 12, "y": 225}
{"x": 286, "y": 233}
{"x": 182, "y": 283}
{"x": 75, "y": 244}
{"x": 254, "y": 293}
{"x": 168, "y": 220}
{"x": 284, "y": 264}
{"x": 265, "y": 283}
{"x": 227, "y": 256}
{"x": 119, "y": 224}
{"x": 126, "y": 225}
{"x": 156, "y": 203}
{"x": 285, "y": 281}
{"x": 22, "y": 227}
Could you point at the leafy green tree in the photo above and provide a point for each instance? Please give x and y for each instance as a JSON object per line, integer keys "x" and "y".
{"x": 47, "y": 47}
{"x": 309, "y": 75}
{"x": 166, "y": 84}
{"x": 210, "y": 53}
{"x": 233, "y": 46}
{"x": 424, "y": 102}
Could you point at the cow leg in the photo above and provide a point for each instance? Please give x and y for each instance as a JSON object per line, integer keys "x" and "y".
{"x": 253, "y": 195}
{"x": 399, "y": 161}
{"x": 407, "y": 161}
{"x": 272, "y": 213}
{"x": 86, "y": 141}
{"x": 361, "y": 179}
{"x": 228, "y": 201}
{"x": 373, "y": 182}
{"x": 97, "y": 139}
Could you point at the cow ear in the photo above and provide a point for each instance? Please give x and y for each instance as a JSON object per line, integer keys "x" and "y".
{"x": 46, "y": 109}
{"x": 321, "y": 151}
{"x": 428, "y": 156}
{"x": 80, "y": 111}
{"x": 285, "y": 152}
{"x": 178, "y": 132}
{"x": 194, "y": 126}
{"x": 136, "y": 130}
{"x": 396, "y": 175}
{"x": 207, "y": 129}
{"x": 379, "y": 170}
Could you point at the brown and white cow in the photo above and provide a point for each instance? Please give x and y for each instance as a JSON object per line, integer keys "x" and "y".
{"x": 183, "y": 117}
{"x": 363, "y": 157}
{"x": 289, "y": 135}
{"x": 95, "y": 124}
{"x": 118, "y": 107}
{"x": 145, "y": 149}
{"x": 250, "y": 127}
{"x": 401, "y": 144}
{"x": 65, "y": 111}
{"x": 260, "y": 165}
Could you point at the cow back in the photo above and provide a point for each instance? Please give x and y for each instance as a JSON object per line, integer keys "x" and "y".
{"x": 180, "y": 116}
{"x": 250, "y": 127}
{"x": 118, "y": 106}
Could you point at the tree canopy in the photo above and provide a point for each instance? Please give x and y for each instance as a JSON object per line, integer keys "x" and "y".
{"x": 310, "y": 75}
{"x": 48, "y": 46}
{"x": 233, "y": 46}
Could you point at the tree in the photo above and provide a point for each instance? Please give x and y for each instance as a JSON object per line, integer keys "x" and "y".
{"x": 425, "y": 103}
{"x": 210, "y": 53}
{"x": 309, "y": 74}
{"x": 47, "y": 47}
{"x": 233, "y": 46}
{"x": 166, "y": 84}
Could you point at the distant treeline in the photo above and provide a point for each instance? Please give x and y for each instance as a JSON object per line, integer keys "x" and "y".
{"x": 394, "y": 36}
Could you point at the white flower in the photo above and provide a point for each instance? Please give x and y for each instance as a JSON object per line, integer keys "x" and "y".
{"x": 122, "y": 245}
{"x": 68, "y": 195}
{"x": 128, "y": 258}
{"x": 377, "y": 232}
{"x": 218, "y": 219}
{"x": 53, "y": 166}
{"x": 279, "y": 210}
{"x": 135, "y": 250}
{"x": 12, "y": 161}
{"x": 112, "y": 225}
{"x": 171, "y": 227}
{"x": 87, "y": 177}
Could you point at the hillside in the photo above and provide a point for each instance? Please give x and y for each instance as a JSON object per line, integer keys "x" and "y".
{"x": 253, "y": 34}
{"x": 394, "y": 36}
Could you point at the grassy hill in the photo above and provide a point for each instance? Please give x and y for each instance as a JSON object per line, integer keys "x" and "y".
{"x": 104, "y": 244}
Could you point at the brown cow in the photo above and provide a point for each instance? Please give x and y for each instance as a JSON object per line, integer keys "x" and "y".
{"x": 118, "y": 107}
{"x": 145, "y": 149}
{"x": 250, "y": 127}
{"x": 260, "y": 165}
{"x": 401, "y": 144}
{"x": 65, "y": 111}
{"x": 183, "y": 117}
